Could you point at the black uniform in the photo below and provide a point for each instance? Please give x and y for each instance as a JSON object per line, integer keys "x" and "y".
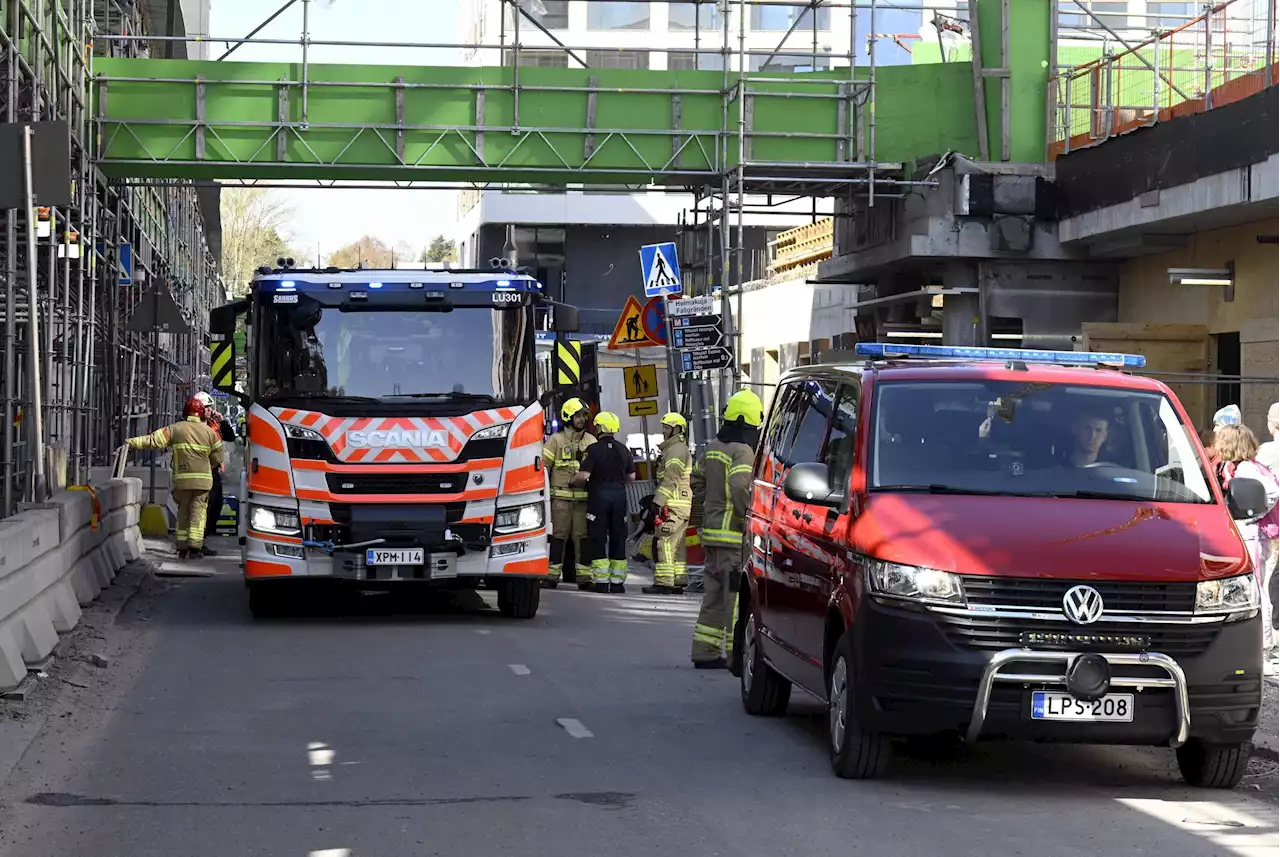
{"x": 610, "y": 465}
{"x": 215, "y": 494}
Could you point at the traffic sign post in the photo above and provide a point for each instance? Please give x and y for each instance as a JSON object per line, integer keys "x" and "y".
{"x": 661, "y": 269}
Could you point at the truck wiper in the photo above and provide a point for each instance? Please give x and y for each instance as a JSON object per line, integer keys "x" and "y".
{"x": 470, "y": 397}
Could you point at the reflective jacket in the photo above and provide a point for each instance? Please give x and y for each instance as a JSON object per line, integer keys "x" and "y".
{"x": 673, "y": 472}
{"x": 721, "y": 483}
{"x": 563, "y": 452}
{"x": 197, "y": 450}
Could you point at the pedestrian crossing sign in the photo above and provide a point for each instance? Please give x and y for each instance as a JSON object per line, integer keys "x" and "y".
{"x": 661, "y": 269}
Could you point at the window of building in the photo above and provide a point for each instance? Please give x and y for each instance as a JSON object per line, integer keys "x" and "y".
{"x": 780, "y": 18}
{"x": 789, "y": 63}
{"x": 693, "y": 16}
{"x": 618, "y": 16}
{"x": 1112, "y": 13}
{"x": 1165, "y": 15}
{"x": 538, "y": 59}
{"x": 618, "y": 59}
{"x": 552, "y": 14}
{"x": 695, "y": 61}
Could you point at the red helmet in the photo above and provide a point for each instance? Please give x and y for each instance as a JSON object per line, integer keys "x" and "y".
{"x": 193, "y": 408}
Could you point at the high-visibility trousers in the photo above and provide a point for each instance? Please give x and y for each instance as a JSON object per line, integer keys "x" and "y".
{"x": 192, "y": 509}
{"x": 670, "y": 567}
{"x": 713, "y": 633}
{"x": 569, "y": 523}
{"x": 607, "y": 521}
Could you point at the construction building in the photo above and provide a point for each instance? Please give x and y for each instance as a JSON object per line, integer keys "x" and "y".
{"x": 77, "y": 377}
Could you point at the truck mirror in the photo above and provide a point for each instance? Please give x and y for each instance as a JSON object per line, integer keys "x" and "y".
{"x": 565, "y": 318}
{"x": 224, "y": 344}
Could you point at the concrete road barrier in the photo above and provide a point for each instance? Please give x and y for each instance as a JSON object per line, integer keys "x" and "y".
{"x": 53, "y": 561}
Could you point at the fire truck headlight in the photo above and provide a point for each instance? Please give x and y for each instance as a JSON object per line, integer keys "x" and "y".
{"x": 301, "y": 433}
{"x": 518, "y": 518}
{"x": 492, "y": 432}
{"x": 268, "y": 520}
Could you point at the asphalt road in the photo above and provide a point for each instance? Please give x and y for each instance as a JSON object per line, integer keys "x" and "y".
{"x": 582, "y": 732}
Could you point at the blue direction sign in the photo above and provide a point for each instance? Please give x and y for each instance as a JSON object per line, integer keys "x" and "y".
{"x": 660, "y": 268}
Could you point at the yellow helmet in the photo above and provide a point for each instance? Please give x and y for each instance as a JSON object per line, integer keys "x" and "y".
{"x": 607, "y": 422}
{"x": 571, "y": 407}
{"x": 676, "y": 420}
{"x": 746, "y": 406}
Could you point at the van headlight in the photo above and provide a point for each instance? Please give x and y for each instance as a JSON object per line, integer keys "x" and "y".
{"x": 264, "y": 519}
{"x": 1238, "y": 597}
{"x": 917, "y": 584}
{"x": 518, "y": 518}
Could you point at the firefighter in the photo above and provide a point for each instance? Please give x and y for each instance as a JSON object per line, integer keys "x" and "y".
{"x": 563, "y": 453}
{"x": 721, "y": 484}
{"x": 606, "y": 469}
{"x": 197, "y": 452}
{"x": 225, "y": 434}
{"x": 671, "y": 506}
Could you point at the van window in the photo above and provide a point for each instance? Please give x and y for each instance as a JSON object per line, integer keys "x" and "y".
{"x": 842, "y": 442}
{"x": 1032, "y": 439}
{"x": 778, "y": 436}
{"x": 817, "y": 399}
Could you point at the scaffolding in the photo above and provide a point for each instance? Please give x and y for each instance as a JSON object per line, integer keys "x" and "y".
{"x": 76, "y": 381}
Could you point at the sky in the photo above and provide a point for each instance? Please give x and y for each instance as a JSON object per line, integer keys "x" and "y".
{"x": 329, "y": 218}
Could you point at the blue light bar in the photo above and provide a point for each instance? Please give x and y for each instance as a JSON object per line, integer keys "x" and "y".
{"x": 1027, "y": 355}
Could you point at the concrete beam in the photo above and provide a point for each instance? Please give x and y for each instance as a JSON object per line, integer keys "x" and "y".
{"x": 1225, "y": 199}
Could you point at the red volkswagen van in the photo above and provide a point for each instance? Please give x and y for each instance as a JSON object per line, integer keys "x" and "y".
{"x": 998, "y": 543}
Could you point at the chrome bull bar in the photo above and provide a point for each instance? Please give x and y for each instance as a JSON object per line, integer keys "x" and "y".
{"x": 993, "y": 672}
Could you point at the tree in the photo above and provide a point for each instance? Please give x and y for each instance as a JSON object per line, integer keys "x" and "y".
{"x": 369, "y": 250}
{"x": 441, "y": 250}
{"x": 254, "y": 233}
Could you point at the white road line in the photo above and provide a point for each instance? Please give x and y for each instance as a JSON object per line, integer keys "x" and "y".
{"x": 519, "y": 669}
{"x": 331, "y": 852}
{"x": 574, "y": 728}
{"x": 482, "y": 631}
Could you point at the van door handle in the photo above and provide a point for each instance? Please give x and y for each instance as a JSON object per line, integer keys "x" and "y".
{"x": 807, "y": 517}
{"x": 795, "y": 513}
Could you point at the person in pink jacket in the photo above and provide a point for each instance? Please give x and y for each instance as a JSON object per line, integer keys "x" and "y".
{"x": 1237, "y": 447}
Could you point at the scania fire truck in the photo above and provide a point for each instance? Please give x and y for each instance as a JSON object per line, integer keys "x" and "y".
{"x": 394, "y": 431}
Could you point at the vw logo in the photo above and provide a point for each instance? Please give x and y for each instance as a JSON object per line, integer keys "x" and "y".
{"x": 1082, "y": 604}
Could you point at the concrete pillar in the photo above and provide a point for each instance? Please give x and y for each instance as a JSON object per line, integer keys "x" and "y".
{"x": 962, "y": 322}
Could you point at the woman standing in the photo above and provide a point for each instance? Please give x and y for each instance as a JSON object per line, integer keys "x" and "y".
{"x": 1237, "y": 447}
{"x": 607, "y": 468}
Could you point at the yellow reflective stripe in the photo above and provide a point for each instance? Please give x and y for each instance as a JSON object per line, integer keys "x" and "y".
{"x": 192, "y": 447}
{"x": 563, "y": 493}
{"x": 191, "y": 477}
{"x": 677, "y": 463}
{"x": 741, "y": 468}
{"x": 728, "y": 497}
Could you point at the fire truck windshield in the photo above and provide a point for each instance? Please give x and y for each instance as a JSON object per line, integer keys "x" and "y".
{"x": 383, "y": 354}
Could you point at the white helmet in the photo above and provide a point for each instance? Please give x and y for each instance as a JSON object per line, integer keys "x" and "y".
{"x": 204, "y": 399}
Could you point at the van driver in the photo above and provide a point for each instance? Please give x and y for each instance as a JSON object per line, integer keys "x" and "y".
{"x": 1088, "y": 434}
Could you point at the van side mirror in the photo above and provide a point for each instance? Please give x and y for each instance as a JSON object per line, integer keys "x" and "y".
{"x": 565, "y": 318}
{"x": 810, "y": 482}
{"x": 1246, "y": 499}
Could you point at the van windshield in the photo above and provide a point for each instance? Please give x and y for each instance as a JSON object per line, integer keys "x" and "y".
{"x": 1033, "y": 439}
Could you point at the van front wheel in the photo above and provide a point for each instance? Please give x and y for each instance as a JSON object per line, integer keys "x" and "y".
{"x": 1213, "y": 766}
{"x": 856, "y": 753}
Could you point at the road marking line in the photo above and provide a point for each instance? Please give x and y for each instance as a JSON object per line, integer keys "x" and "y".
{"x": 574, "y": 728}
{"x": 482, "y": 631}
{"x": 519, "y": 669}
{"x": 331, "y": 852}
